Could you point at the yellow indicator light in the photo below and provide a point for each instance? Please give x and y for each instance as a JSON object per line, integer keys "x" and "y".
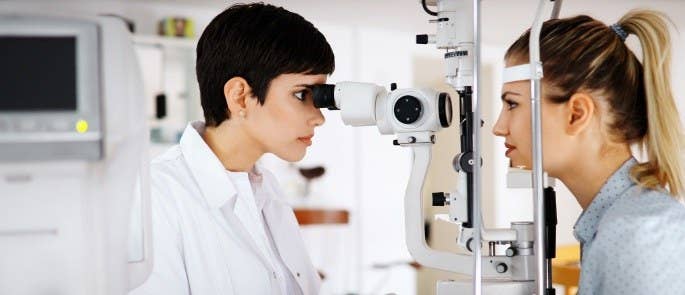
{"x": 81, "y": 126}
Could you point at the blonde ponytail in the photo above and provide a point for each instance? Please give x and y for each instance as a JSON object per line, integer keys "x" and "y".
{"x": 663, "y": 141}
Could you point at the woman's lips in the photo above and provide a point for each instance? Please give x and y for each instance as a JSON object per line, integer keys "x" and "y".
{"x": 306, "y": 140}
{"x": 510, "y": 148}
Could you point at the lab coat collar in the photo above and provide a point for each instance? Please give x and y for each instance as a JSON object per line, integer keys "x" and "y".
{"x": 206, "y": 167}
{"x": 585, "y": 228}
{"x": 254, "y": 179}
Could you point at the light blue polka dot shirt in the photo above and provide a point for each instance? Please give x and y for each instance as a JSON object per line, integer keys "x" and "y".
{"x": 632, "y": 240}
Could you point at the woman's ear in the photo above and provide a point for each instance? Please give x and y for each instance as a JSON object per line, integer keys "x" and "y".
{"x": 581, "y": 109}
{"x": 237, "y": 92}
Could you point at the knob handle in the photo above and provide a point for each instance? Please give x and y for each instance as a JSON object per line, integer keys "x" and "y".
{"x": 439, "y": 199}
{"x": 501, "y": 267}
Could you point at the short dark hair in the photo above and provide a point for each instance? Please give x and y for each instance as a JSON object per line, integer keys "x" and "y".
{"x": 257, "y": 42}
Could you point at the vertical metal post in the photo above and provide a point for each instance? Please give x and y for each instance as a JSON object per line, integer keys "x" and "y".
{"x": 477, "y": 220}
{"x": 537, "y": 189}
{"x": 536, "y": 123}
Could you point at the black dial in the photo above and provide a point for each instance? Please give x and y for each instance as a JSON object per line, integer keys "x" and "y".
{"x": 408, "y": 109}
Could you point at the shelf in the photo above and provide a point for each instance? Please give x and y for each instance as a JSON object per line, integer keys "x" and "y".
{"x": 308, "y": 216}
{"x": 166, "y": 42}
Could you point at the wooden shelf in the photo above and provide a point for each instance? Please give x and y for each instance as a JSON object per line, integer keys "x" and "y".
{"x": 310, "y": 216}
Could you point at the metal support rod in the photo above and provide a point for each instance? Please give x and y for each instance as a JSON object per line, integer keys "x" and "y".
{"x": 536, "y": 123}
{"x": 477, "y": 220}
{"x": 537, "y": 188}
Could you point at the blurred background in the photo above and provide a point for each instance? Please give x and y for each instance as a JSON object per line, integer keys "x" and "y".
{"x": 352, "y": 213}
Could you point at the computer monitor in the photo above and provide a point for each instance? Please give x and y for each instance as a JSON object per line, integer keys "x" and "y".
{"x": 49, "y": 90}
{"x": 74, "y": 178}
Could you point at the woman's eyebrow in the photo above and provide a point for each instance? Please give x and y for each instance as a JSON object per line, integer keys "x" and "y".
{"x": 307, "y": 85}
{"x": 508, "y": 93}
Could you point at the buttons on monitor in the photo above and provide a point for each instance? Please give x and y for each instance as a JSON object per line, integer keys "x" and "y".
{"x": 59, "y": 125}
{"x": 26, "y": 126}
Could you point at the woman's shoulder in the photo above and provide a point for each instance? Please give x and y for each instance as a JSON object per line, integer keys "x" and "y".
{"x": 647, "y": 212}
{"x": 639, "y": 202}
{"x": 638, "y": 245}
{"x": 171, "y": 181}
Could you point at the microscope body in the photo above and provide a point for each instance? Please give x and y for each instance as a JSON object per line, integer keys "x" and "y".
{"x": 414, "y": 115}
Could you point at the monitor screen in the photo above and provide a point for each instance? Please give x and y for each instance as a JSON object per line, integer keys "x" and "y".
{"x": 38, "y": 73}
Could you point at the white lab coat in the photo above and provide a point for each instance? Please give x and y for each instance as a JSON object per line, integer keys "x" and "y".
{"x": 201, "y": 251}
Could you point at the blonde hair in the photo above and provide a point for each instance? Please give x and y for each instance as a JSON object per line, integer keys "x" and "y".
{"x": 583, "y": 54}
{"x": 664, "y": 141}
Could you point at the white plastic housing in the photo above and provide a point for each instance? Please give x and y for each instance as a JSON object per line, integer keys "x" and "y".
{"x": 367, "y": 104}
{"x": 429, "y": 120}
{"x": 65, "y": 225}
{"x": 357, "y": 102}
{"x": 458, "y": 28}
{"x": 490, "y": 287}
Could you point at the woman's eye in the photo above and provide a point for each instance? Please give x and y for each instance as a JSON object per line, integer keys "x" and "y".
{"x": 511, "y": 105}
{"x": 302, "y": 95}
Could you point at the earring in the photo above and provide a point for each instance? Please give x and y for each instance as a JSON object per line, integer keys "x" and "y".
{"x": 241, "y": 113}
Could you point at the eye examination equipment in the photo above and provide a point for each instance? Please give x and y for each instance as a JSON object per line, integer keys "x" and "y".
{"x": 414, "y": 115}
{"x": 74, "y": 208}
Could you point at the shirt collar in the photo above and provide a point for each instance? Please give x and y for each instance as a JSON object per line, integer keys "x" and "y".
{"x": 205, "y": 167}
{"x": 586, "y": 225}
{"x": 251, "y": 181}
{"x": 256, "y": 179}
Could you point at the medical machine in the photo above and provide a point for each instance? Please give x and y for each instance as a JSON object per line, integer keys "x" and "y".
{"x": 74, "y": 182}
{"x": 414, "y": 115}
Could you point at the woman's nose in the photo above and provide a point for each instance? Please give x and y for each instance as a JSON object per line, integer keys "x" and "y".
{"x": 500, "y": 128}
{"x": 318, "y": 118}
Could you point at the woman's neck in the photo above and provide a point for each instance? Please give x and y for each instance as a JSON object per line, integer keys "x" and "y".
{"x": 587, "y": 176}
{"x": 236, "y": 149}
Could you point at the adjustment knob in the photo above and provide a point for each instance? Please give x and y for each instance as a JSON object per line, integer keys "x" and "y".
{"x": 511, "y": 252}
{"x": 408, "y": 109}
{"x": 501, "y": 267}
{"x": 439, "y": 199}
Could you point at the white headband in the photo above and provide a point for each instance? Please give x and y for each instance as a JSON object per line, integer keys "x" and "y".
{"x": 519, "y": 73}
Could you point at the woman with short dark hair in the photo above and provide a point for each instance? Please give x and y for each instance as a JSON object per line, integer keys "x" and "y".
{"x": 219, "y": 225}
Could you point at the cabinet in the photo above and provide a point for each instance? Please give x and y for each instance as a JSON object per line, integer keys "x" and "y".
{"x": 168, "y": 68}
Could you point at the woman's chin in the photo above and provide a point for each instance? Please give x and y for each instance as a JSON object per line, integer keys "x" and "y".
{"x": 292, "y": 156}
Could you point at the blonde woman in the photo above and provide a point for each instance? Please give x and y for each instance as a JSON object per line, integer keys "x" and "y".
{"x": 599, "y": 99}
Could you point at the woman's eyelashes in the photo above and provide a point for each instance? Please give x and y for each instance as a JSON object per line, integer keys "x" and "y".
{"x": 510, "y": 104}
